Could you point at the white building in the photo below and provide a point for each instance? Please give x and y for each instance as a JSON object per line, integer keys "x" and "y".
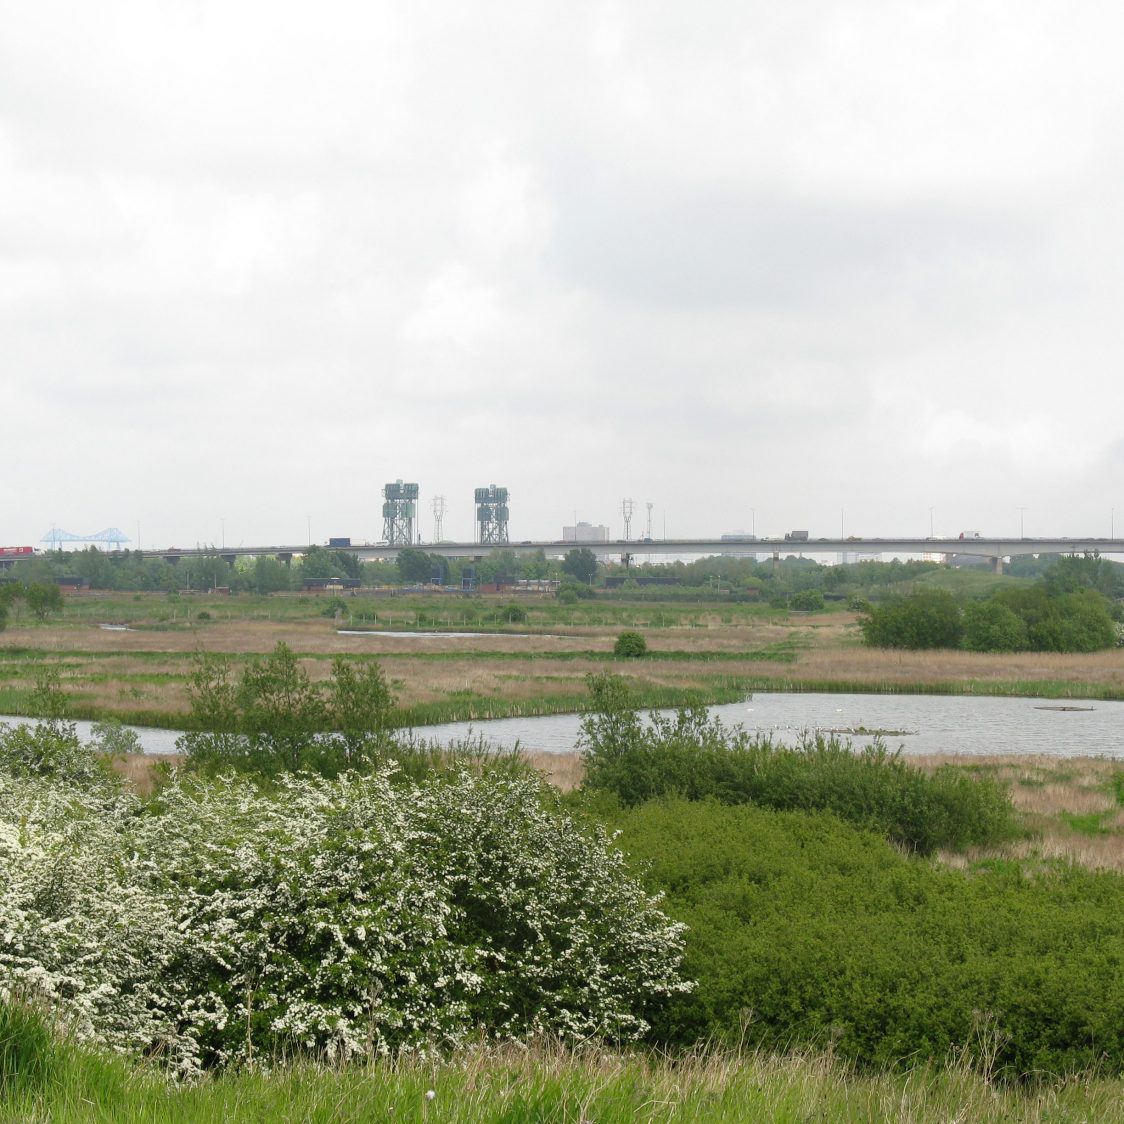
{"x": 585, "y": 532}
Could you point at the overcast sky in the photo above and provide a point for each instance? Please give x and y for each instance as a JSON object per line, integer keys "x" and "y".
{"x": 762, "y": 265}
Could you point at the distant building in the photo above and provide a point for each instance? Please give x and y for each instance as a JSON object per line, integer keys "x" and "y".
{"x": 585, "y": 532}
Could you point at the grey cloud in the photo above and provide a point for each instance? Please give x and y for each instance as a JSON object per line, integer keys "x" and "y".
{"x": 643, "y": 242}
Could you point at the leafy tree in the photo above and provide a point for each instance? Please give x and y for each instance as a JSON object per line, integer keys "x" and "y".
{"x": 359, "y": 705}
{"x": 581, "y": 564}
{"x": 95, "y": 567}
{"x": 1079, "y": 621}
{"x": 414, "y": 565}
{"x": 807, "y": 601}
{"x": 208, "y": 571}
{"x": 274, "y": 719}
{"x": 1072, "y": 572}
{"x": 926, "y": 619}
{"x": 347, "y": 563}
{"x": 269, "y": 575}
{"x": 44, "y": 598}
{"x": 319, "y": 564}
{"x": 280, "y": 706}
{"x": 631, "y": 645}
{"x": 990, "y": 626}
{"x": 498, "y": 566}
{"x": 535, "y": 566}
{"x": 379, "y": 573}
{"x": 8, "y": 594}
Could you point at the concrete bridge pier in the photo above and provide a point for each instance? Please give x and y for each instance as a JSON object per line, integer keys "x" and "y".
{"x": 997, "y": 565}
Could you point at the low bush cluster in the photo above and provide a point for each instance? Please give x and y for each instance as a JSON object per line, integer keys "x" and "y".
{"x": 804, "y": 930}
{"x": 42, "y": 598}
{"x": 631, "y": 645}
{"x": 698, "y": 758}
{"x": 1037, "y": 618}
{"x": 271, "y": 719}
{"x": 51, "y": 749}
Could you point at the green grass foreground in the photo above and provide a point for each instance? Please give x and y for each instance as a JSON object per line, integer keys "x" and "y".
{"x": 546, "y": 1084}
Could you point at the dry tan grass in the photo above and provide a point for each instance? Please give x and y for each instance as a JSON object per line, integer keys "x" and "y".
{"x": 827, "y": 650}
{"x": 875, "y": 665}
{"x": 140, "y": 769}
{"x": 564, "y": 770}
{"x": 1053, "y": 799}
{"x": 1045, "y": 790}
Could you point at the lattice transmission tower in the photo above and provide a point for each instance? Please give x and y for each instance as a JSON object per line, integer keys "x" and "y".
{"x": 626, "y": 513}
{"x": 438, "y": 518}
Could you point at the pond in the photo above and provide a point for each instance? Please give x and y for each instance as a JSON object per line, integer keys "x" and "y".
{"x": 914, "y": 723}
{"x": 917, "y": 724}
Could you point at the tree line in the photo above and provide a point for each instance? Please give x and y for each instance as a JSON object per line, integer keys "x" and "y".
{"x": 1072, "y": 607}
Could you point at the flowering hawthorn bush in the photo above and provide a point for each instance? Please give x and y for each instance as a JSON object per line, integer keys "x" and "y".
{"x": 348, "y": 917}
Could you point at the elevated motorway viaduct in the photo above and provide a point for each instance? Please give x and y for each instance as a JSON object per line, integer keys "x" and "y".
{"x": 995, "y": 550}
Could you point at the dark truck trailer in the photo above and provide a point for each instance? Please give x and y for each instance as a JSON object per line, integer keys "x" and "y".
{"x": 339, "y": 542}
{"x": 796, "y": 536}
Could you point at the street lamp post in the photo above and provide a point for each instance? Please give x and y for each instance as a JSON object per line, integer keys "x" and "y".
{"x": 1022, "y": 511}
{"x": 930, "y": 522}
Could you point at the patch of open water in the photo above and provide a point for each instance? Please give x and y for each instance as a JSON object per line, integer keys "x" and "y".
{"x": 917, "y": 724}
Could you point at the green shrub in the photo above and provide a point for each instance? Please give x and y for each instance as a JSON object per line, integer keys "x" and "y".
{"x": 806, "y": 601}
{"x": 990, "y": 626}
{"x": 576, "y": 590}
{"x": 273, "y": 719}
{"x": 51, "y": 748}
{"x": 334, "y": 606}
{"x": 696, "y": 757}
{"x": 929, "y": 618}
{"x": 803, "y": 930}
{"x": 630, "y": 645}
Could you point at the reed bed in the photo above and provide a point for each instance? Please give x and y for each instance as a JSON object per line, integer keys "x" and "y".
{"x": 1070, "y": 806}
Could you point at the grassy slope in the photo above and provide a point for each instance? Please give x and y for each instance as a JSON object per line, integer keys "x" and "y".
{"x": 545, "y": 1085}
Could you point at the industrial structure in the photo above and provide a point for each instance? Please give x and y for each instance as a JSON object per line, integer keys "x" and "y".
{"x": 626, "y": 514}
{"x": 111, "y": 536}
{"x": 438, "y": 518}
{"x": 491, "y": 514}
{"x": 399, "y": 512}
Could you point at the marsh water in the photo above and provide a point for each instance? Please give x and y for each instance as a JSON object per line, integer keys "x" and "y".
{"x": 919, "y": 724}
